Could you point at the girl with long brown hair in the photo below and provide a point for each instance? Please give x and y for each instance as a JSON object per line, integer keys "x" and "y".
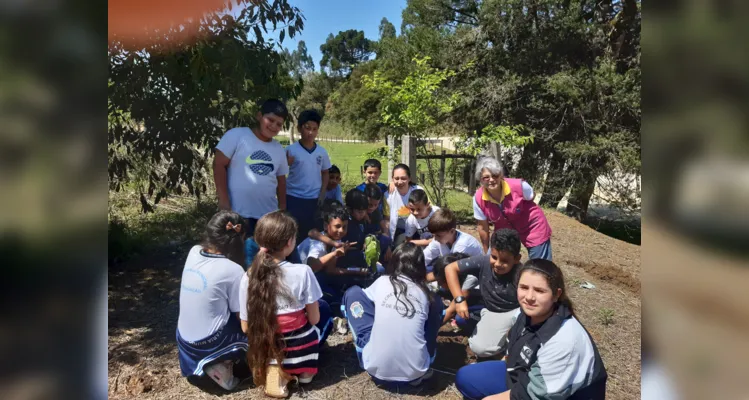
{"x": 282, "y": 314}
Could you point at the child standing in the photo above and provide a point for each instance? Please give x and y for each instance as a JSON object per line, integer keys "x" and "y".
{"x": 209, "y": 335}
{"x": 417, "y": 224}
{"x": 280, "y": 303}
{"x": 447, "y": 239}
{"x": 398, "y": 303}
{"x": 308, "y": 173}
{"x": 334, "y": 184}
{"x": 250, "y": 167}
{"x": 372, "y": 169}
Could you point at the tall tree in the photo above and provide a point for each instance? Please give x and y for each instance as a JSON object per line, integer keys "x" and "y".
{"x": 387, "y": 29}
{"x": 170, "y": 101}
{"x": 299, "y": 62}
{"x": 342, "y": 52}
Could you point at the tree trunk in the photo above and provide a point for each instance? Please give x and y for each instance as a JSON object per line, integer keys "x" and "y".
{"x": 582, "y": 190}
{"x": 529, "y": 167}
{"x": 557, "y": 182}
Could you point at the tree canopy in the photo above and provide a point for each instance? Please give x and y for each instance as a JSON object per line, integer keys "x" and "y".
{"x": 342, "y": 52}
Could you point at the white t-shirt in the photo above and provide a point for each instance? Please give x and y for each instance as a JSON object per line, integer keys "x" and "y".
{"x": 419, "y": 225}
{"x": 527, "y": 195}
{"x": 298, "y": 281}
{"x": 311, "y": 248}
{"x": 399, "y": 212}
{"x": 209, "y": 292}
{"x": 402, "y": 357}
{"x": 253, "y": 171}
{"x": 304, "y": 179}
{"x": 464, "y": 243}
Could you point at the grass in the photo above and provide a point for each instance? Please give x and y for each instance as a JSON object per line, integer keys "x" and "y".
{"x": 606, "y": 316}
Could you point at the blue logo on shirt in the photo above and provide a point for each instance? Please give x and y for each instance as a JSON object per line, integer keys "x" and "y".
{"x": 357, "y": 310}
{"x": 260, "y": 163}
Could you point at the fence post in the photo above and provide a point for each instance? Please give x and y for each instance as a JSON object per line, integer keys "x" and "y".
{"x": 442, "y": 168}
{"x": 391, "y": 155}
{"x": 472, "y": 178}
{"x": 408, "y": 153}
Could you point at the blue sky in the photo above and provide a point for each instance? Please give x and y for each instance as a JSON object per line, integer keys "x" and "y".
{"x": 331, "y": 16}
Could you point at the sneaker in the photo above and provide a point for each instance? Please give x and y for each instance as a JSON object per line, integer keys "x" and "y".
{"x": 222, "y": 374}
{"x": 306, "y": 377}
{"x": 341, "y": 325}
{"x": 421, "y": 380}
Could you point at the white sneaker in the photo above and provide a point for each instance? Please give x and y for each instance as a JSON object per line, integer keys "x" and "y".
{"x": 306, "y": 378}
{"x": 341, "y": 325}
{"x": 223, "y": 374}
{"x": 424, "y": 377}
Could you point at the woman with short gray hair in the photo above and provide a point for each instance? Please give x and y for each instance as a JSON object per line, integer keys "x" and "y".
{"x": 508, "y": 203}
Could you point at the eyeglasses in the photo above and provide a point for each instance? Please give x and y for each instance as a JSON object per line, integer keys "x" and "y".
{"x": 487, "y": 177}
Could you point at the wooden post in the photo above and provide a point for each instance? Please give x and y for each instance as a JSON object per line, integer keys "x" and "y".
{"x": 391, "y": 155}
{"x": 472, "y": 178}
{"x": 408, "y": 154}
{"x": 442, "y": 169}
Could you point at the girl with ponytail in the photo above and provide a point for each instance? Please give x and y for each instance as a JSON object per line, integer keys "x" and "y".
{"x": 209, "y": 335}
{"x": 281, "y": 311}
{"x": 549, "y": 353}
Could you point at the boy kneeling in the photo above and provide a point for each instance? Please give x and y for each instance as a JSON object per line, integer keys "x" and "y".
{"x": 496, "y": 274}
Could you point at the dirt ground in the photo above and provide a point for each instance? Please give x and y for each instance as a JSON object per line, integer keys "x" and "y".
{"x": 143, "y": 309}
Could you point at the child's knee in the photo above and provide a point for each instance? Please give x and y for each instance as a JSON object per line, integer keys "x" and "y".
{"x": 482, "y": 349}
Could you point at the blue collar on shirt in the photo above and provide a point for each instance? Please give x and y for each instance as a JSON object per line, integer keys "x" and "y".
{"x": 314, "y": 146}
{"x": 211, "y": 255}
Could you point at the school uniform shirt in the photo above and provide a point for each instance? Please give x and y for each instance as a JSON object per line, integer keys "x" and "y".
{"x": 304, "y": 179}
{"x": 311, "y": 248}
{"x": 419, "y": 225}
{"x": 299, "y": 283}
{"x": 209, "y": 291}
{"x": 253, "y": 171}
{"x": 464, "y": 243}
{"x": 373, "y": 227}
{"x": 334, "y": 194}
{"x": 383, "y": 202}
{"x": 401, "y": 357}
{"x": 399, "y": 212}
{"x": 554, "y": 359}
{"x": 499, "y": 292}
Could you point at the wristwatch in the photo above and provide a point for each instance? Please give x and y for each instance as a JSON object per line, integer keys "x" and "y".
{"x": 459, "y": 299}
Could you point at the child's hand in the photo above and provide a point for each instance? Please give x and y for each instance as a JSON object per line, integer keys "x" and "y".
{"x": 391, "y": 188}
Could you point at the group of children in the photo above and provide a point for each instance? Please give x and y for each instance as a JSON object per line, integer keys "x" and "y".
{"x": 306, "y": 263}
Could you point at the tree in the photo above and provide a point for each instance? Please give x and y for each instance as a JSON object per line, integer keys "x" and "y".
{"x": 415, "y": 106}
{"x": 170, "y": 101}
{"x": 387, "y": 29}
{"x": 342, "y": 52}
{"x": 299, "y": 62}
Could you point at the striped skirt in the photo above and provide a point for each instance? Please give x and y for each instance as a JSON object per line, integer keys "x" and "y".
{"x": 302, "y": 341}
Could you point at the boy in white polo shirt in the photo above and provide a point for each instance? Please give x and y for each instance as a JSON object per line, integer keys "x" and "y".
{"x": 417, "y": 224}
{"x": 308, "y": 173}
{"x": 447, "y": 240}
{"x": 250, "y": 167}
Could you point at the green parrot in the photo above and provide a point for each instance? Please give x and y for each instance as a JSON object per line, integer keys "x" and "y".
{"x": 372, "y": 252}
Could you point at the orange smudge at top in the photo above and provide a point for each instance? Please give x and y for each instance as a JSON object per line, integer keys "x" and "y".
{"x": 404, "y": 212}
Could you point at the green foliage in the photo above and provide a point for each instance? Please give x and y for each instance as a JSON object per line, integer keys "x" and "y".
{"x": 342, "y": 52}
{"x": 417, "y": 104}
{"x": 170, "y": 102}
{"x": 606, "y": 316}
{"x": 387, "y": 29}
{"x": 382, "y": 152}
{"x": 315, "y": 93}
{"x": 298, "y": 62}
{"x": 508, "y": 136}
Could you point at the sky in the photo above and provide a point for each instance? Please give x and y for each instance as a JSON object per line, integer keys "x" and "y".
{"x": 323, "y": 17}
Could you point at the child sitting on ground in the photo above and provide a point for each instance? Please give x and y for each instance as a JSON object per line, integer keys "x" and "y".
{"x": 395, "y": 322}
{"x": 209, "y": 335}
{"x": 470, "y": 292}
{"x": 447, "y": 239}
{"x": 281, "y": 309}
{"x": 372, "y": 169}
{"x": 377, "y": 225}
{"x": 417, "y": 224}
{"x": 496, "y": 274}
{"x": 334, "y": 184}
